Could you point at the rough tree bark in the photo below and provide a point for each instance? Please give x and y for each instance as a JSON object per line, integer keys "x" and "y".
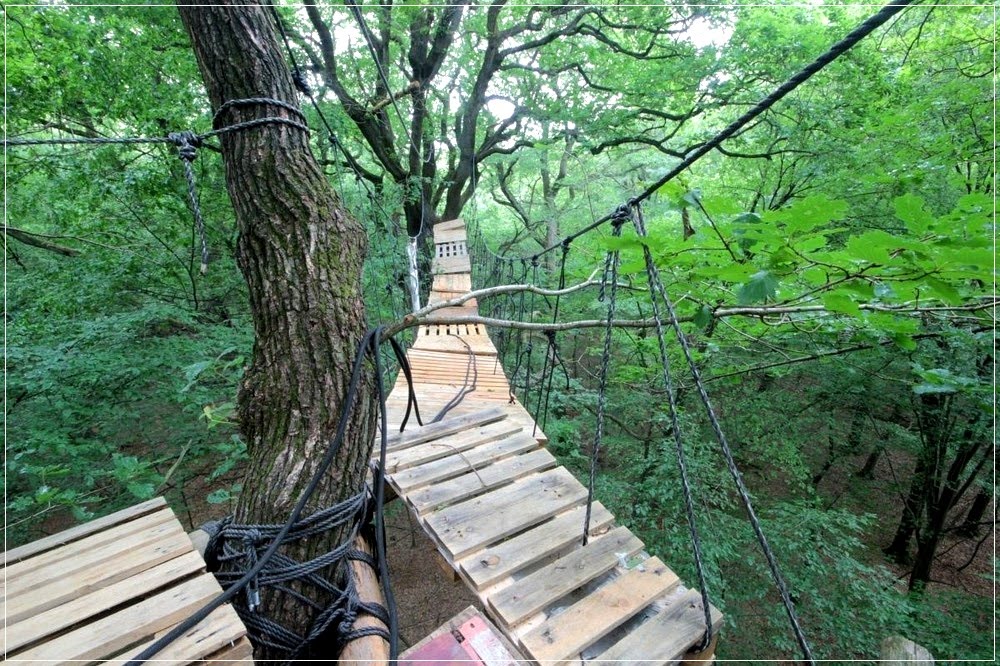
{"x": 301, "y": 254}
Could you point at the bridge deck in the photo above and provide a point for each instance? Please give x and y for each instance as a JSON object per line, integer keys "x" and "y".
{"x": 509, "y": 519}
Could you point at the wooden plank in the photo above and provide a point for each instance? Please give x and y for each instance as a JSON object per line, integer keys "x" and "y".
{"x": 220, "y": 633}
{"x": 56, "y": 589}
{"x": 443, "y": 447}
{"x": 445, "y": 427}
{"x": 460, "y": 282}
{"x": 546, "y": 586}
{"x": 665, "y": 637}
{"x": 86, "y": 529}
{"x": 55, "y": 619}
{"x": 455, "y": 312}
{"x": 482, "y": 480}
{"x": 442, "y": 265}
{"x": 410, "y": 481}
{"x": 112, "y": 634}
{"x": 465, "y": 527}
{"x": 442, "y": 235}
{"x": 88, "y": 544}
{"x": 131, "y": 554}
{"x": 239, "y": 652}
{"x": 562, "y": 637}
{"x": 449, "y": 225}
{"x": 504, "y": 559}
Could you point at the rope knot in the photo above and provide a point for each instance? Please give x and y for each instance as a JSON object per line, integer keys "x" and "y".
{"x": 299, "y": 79}
{"x": 622, "y": 215}
{"x": 534, "y": 261}
{"x": 187, "y": 144}
{"x": 565, "y": 244}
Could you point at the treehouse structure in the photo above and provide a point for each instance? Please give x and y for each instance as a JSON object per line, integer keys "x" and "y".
{"x": 504, "y": 515}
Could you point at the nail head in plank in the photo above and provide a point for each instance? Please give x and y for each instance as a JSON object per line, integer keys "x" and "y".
{"x": 667, "y": 636}
{"x": 86, "y": 529}
{"x": 481, "y": 480}
{"x": 504, "y": 559}
{"x": 549, "y": 584}
{"x": 463, "y": 528}
{"x": 563, "y": 636}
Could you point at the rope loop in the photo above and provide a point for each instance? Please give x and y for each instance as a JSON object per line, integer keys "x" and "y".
{"x": 187, "y": 144}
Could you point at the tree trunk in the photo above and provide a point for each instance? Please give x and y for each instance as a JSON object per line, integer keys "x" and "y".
{"x": 970, "y": 526}
{"x": 899, "y": 549}
{"x": 301, "y": 255}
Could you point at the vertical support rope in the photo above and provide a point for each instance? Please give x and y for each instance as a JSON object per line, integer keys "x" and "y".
{"x": 622, "y": 215}
{"x": 727, "y": 453}
{"x": 187, "y": 149}
{"x": 675, "y": 426}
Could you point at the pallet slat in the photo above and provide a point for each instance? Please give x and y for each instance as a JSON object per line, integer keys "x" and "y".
{"x": 550, "y": 583}
{"x": 59, "y": 617}
{"x": 109, "y": 635}
{"x": 464, "y": 527}
{"x": 86, "y": 529}
{"x": 443, "y": 447}
{"x": 561, "y": 638}
{"x": 481, "y": 480}
{"x": 446, "y": 427}
{"x": 502, "y": 560}
{"x": 665, "y": 637}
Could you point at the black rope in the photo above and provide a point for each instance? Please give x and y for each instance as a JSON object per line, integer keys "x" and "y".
{"x": 187, "y": 149}
{"x": 622, "y": 215}
{"x": 366, "y": 346}
{"x": 551, "y": 351}
{"x": 471, "y": 372}
{"x": 720, "y": 436}
{"x": 675, "y": 426}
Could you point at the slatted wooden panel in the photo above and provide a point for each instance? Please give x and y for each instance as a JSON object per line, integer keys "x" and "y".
{"x": 509, "y": 519}
{"x": 107, "y": 589}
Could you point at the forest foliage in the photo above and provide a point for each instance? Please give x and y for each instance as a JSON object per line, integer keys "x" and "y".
{"x": 833, "y": 265}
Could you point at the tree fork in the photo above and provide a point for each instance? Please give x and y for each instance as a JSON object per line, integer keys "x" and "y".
{"x": 301, "y": 254}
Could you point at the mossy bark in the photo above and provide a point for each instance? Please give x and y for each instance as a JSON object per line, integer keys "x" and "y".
{"x": 301, "y": 254}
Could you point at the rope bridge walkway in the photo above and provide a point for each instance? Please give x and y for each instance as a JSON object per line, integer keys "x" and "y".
{"x": 508, "y": 518}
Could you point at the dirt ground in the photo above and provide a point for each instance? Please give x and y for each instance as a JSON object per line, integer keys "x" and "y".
{"x": 426, "y": 597}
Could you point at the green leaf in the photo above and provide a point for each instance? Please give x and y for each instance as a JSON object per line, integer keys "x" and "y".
{"x": 761, "y": 288}
{"x": 910, "y": 209}
{"x": 838, "y": 301}
{"x": 872, "y": 247}
{"x": 703, "y": 317}
{"x": 219, "y": 496}
{"x": 904, "y": 341}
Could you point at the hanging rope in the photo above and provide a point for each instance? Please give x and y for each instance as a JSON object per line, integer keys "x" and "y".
{"x": 675, "y": 426}
{"x": 659, "y": 291}
{"x": 622, "y": 215}
{"x": 551, "y": 350}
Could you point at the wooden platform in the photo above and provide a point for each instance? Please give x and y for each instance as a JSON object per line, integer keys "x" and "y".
{"x": 509, "y": 519}
{"x": 106, "y": 589}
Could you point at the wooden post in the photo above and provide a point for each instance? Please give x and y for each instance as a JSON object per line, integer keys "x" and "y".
{"x": 370, "y": 649}
{"x": 902, "y": 650}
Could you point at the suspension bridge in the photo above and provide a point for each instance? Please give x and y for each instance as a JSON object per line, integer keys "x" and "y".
{"x": 509, "y": 519}
{"x": 562, "y": 581}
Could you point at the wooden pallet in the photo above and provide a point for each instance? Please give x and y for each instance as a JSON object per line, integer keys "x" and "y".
{"x": 106, "y": 589}
{"x": 509, "y": 520}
